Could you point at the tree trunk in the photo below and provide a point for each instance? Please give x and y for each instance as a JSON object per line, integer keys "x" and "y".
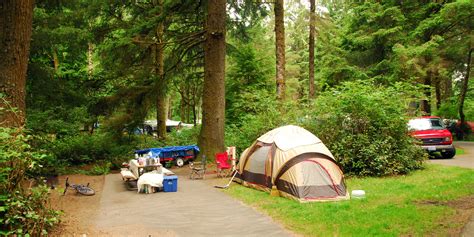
{"x": 90, "y": 60}
{"x": 182, "y": 105}
{"x": 161, "y": 88}
{"x": 462, "y": 96}
{"x": 280, "y": 49}
{"x": 312, "y": 21}
{"x": 15, "y": 34}
{"x": 426, "y": 103}
{"x": 55, "y": 61}
{"x": 448, "y": 88}
{"x": 188, "y": 103}
{"x": 170, "y": 106}
{"x": 438, "y": 90}
{"x": 211, "y": 138}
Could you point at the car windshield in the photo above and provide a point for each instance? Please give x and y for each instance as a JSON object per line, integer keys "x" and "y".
{"x": 425, "y": 124}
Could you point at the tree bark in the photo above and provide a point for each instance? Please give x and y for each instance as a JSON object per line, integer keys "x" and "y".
{"x": 426, "y": 103}
{"x": 280, "y": 48}
{"x": 211, "y": 138}
{"x": 170, "y": 106}
{"x": 448, "y": 88}
{"x": 462, "y": 96}
{"x": 312, "y": 21}
{"x": 55, "y": 61}
{"x": 15, "y": 34}
{"x": 90, "y": 60}
{"x": 438, "y": 90}
{"x": 161, "y": 87}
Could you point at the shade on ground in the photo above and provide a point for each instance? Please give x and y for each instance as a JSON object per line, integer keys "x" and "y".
{"x": 197, "y": 209}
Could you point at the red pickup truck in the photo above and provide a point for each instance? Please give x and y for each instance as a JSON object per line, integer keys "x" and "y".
{"x": 433, "y": 135}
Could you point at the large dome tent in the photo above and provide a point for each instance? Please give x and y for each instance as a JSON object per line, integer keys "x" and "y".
{"x": 293, "y": 163}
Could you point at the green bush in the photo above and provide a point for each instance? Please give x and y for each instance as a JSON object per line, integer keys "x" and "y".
{"x": 271, "y": 115}
{"x": 100, "y": 169}
{"x": 86, "y": 148}
{"x": 23, "y": 211}
{"x": 364, "y": 126}
{"x": 183, "y": 137}
{"x": 105, "y": 151}
{"x": 450, "y": 109}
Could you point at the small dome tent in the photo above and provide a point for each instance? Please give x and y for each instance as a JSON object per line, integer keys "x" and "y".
{"x": 294, "y": 163}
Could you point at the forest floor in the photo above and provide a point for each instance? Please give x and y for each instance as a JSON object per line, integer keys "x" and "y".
{"x": 78, "y": 211}
{"x": 197, "y": 209}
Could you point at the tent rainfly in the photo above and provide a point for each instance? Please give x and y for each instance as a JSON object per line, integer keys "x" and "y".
{"x": 292, "y": 162}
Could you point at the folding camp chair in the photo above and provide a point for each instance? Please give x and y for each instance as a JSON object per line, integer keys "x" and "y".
{"x": 198, "y": 170}
{"x": 222, "y": 164}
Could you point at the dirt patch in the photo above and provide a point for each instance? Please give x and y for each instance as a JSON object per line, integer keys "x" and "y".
{"x": 78, "y": 210}
{"x": 462, "y": 203}
{"x": 464, "y": 210}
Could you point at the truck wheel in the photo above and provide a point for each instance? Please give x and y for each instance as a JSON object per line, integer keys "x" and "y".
{"x": 179, "y": 162}
{"x": 448, "y": 154}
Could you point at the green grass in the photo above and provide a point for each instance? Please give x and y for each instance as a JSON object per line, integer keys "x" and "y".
{"x": 392, "y": 206}
{"x": 459, "y": 151}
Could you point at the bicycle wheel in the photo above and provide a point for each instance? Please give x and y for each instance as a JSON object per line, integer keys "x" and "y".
{"x": 84, "y": 190}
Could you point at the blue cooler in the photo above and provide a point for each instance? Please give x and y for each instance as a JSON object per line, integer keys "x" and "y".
{"x": 170, "y": 183}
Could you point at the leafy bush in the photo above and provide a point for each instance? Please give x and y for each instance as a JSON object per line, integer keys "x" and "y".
{"x": 85, "y": 148}
{"x": 105, "y": 151}
{"x": 59, "y": 121}
{"x": 271, "y": 114}
{"x": 101, "y": 169}
{"x": 183, "y": 137}
{"x": 23, "y": 211}
{"x": 450, "y": 109}
{"x": 364, "y": 126}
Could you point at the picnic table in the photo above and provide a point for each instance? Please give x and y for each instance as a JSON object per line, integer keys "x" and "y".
{"x": 149, "y": 176}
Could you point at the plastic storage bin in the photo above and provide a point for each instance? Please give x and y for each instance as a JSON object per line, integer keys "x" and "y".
{"x": 170, "y": 183}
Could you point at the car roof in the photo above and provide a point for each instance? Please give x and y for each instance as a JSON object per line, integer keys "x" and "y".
{"x": 428, "y": 117}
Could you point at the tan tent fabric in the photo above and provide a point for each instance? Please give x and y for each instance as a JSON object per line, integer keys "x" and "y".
{"x": 243, "y": 159}
{"x": 290, "y": 136}
{"x": 294, "y": 161}
{"x": 281, "y": 157}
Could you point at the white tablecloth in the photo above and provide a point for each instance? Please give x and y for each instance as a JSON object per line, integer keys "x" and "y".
{"x": 152, "y": 179}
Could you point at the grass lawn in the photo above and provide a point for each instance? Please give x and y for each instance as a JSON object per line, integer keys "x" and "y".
{"x": 459, "y": 151}
{"x": 417, "y": 204}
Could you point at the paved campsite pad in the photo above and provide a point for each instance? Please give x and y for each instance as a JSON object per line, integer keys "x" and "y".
{"x": 197, "y": 209}
{"x": 465, "y": 160}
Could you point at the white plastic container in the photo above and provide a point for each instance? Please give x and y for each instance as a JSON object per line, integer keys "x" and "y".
{"x": 358, "y": 194}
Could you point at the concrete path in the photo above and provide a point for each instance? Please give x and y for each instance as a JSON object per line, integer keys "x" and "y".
{"x": 465, "y": 160}
{"x": 197, "y": 209}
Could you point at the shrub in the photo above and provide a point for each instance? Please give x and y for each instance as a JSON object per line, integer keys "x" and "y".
{"x": 105, "y": 150}
{"x": 271, "y": 115}
{"x": 23, "y": 211}
{"x": 364, "y": 126}
{"x": 85, "y": 148}
{"x": 100, "y": 169}
{"x": 183, "y": 136}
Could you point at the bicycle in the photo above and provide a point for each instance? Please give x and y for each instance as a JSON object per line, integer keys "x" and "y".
{"x": 80, "y": 188}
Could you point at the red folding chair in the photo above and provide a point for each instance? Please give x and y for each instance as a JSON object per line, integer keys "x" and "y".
{"x": 223, "y": 164}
